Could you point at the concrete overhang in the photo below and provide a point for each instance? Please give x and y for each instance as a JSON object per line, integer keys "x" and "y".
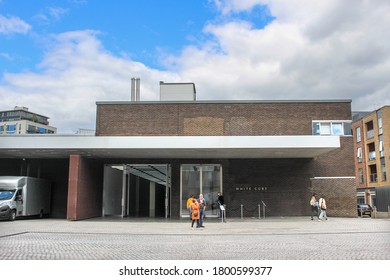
{"x": 170, "y": 147}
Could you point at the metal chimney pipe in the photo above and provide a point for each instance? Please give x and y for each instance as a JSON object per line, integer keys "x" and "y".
{"x": 137, "y": 89}
{"x": 132, "y": 89}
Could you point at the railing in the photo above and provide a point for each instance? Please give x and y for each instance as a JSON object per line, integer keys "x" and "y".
{"x": 373, "y": 178}
{"x": 372, "y": 155}
{"x": 260, "y": 206}
{"x": 370, "y": 134}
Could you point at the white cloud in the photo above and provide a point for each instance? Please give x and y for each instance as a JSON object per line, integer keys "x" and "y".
{"x": 313, "y": 49}
{"x": 74, "y": 74}
{"x": 9, "y": 25}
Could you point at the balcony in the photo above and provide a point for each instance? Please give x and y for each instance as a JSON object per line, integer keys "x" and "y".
{"x": 373, "y": 178}
{"x": 371, "y": 155}
{"x": 370, "y": 134}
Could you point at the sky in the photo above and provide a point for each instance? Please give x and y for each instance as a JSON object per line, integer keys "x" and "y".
{"x": 59, "y": 57}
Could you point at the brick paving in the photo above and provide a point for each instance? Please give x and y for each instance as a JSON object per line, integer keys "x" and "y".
{"x": 296, "y": 238}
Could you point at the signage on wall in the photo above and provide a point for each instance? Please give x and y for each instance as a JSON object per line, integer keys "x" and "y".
{"x": 246, "y": 188}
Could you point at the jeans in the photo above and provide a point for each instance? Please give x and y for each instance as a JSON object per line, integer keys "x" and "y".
{"x": 201, "y": 217}
{"x": 322, "y": 214}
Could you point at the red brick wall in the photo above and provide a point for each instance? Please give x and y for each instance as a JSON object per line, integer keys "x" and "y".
{"x": 85, "y": 188}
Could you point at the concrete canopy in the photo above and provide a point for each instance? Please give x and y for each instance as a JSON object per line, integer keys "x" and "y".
{"x": 143, "y": 147}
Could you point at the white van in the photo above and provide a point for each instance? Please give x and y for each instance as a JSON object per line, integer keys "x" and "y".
{"x": 24, "y": 196}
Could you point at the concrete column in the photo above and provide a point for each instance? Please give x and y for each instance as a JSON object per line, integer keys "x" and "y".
{"x": 152, "y": 199}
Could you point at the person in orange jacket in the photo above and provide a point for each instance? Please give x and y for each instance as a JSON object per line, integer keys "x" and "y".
{"x": 195, "y": 212}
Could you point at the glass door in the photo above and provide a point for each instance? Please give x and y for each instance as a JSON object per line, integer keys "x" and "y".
{"x": 197, "y": 179}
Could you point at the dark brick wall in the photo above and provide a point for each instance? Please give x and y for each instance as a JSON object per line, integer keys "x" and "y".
{"x": 339, "y": 193}
{"x": 202, "y": 118}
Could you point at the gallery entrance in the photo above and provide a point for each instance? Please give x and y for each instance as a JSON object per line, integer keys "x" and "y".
{"x": 137, "y": 190}
{"x": 203, "y": 179}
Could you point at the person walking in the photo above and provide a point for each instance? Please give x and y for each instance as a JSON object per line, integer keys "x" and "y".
{"x": 189, "y": 203}
{"x": 202, "y": 207}
{"x": 220, "y": 202}
{"x": 195, "y": 213}
{"x": 314, "y": 206}
{"x": 322, "y": 205}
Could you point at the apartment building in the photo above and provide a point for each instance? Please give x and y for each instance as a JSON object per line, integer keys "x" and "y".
{"x": 372, "y": 158}
{"x": 21, "y": 121}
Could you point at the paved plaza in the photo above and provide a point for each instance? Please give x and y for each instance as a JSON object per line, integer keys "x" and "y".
{"x": 290, "y": 238}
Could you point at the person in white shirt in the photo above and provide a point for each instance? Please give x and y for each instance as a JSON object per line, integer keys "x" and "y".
{"x": 322, "y": 205}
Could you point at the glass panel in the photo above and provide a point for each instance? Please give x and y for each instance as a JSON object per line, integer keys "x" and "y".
{"x": 211, "y": 185}
{"x": 325, "y": 128}
{"x": 190, "y": 183}
{"x": 347, "y": 128}
{"x": 316, "y": 128}
{"x": 197, "y": 179}
{"x": 358, "y": 135}
{"x": 337, "y": 129}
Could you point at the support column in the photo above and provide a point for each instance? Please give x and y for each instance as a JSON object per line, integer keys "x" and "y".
{"x": 152, "y": 200}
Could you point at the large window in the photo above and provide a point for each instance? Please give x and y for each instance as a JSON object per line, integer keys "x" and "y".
{"x": 331, "y": 128}
{"x": 201, "y": 178}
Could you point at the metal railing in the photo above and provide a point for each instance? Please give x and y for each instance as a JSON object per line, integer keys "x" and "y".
{"x": 261, "y": 209}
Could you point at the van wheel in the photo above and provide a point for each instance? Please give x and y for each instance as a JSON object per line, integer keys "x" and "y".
{"x": 12, "y": 215}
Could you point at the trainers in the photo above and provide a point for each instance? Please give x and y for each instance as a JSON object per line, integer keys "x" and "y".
{"x": 319, "y": 220}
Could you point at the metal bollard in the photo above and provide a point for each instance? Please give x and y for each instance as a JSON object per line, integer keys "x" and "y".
{"x": 259, "y": 211}
{"x": 242, "y": 211}
{"x": 263, "y": 209}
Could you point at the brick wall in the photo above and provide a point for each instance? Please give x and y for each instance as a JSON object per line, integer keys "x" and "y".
{"x": 85, "y": 188}
{"x": 202, "y": 118}
{"x": 339, "y": 193}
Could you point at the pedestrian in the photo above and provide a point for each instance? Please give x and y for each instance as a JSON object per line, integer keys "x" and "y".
{"x": 189, "y": 203}
{"x": 195, "y": 213}
{"x": 314, "y": 206}
{"x": 220, "y": 202}
{"x": 322, "y": 205}
{"x": 202, "y": 207}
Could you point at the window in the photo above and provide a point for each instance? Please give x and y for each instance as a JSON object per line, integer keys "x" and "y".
{"x": 383, "y": 167}
{"x": 358, "y": 134}
{"x": 359, "y": 154}
{"x": 370, "y": 129}
{"x": 11, "y": 127}
{"x": 381, "y": 149}
{"x": 380, "y": 129}
{"x": 361, "y": 176}
{"x": 200, "y": 178}
{"x": 337, "y": 129}
{"x": 371, "y": 151}
{"x": 373, "y": 173}
{"x": 331, "y": 128}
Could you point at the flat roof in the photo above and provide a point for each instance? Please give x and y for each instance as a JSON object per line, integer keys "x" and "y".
{"x": 227, "y": 101}
{"x": 166, "y": 147}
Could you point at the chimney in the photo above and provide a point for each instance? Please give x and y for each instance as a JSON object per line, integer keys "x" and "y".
{"x": 132, "y": 89}
{"x": 135, "y": 89}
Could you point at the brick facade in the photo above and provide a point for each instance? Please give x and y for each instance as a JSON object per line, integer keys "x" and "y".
{"x": 220, "y": 119}
{"x": 284, "y": 185}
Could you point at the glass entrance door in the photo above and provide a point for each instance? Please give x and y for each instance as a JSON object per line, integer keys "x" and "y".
{"x": 201, "y": 178}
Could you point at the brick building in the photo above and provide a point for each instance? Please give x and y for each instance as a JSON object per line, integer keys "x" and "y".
{"x": 372, "y": 154}
{"x": 148, "y": 157}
